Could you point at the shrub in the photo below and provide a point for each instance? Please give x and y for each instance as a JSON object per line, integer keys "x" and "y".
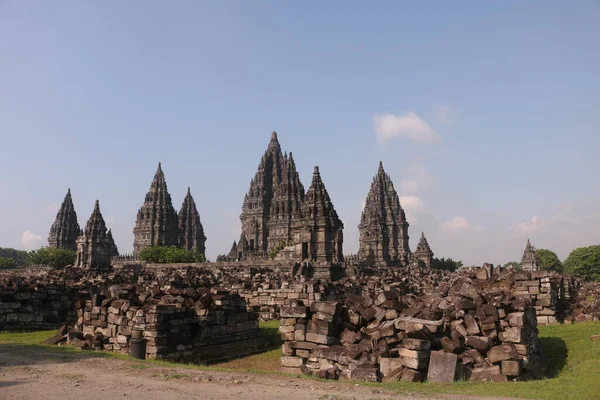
{"x": 170, "y": 255}
{"x": 56, "y": 258}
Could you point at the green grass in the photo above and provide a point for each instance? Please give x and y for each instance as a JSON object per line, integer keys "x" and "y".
{"x": 573, "y": 357}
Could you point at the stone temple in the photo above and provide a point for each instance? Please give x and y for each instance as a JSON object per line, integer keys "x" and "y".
{"x": 530, "y": 261}
{"x": 423, "y": 254}
{"x": 383, "y": 227}
{"x": 277, "y": 215}
{"x": 95, "y": 245}
{"x": 158, "y": 224}
{"x": 65, "y": 229}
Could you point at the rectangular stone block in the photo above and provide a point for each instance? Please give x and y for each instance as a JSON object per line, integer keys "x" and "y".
{"x": 442, "y": 367}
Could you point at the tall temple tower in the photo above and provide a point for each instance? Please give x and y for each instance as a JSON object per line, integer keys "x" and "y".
{"x": 275, "y": 192}
{"x": 157, "y": 223}
{"x": 288, "y": 195}
{"x": 530, "y": 261}
{"x": 383, "y": 227}
{"x": 95, "y": 245}
{"x": 423, "y": 253}
{"x": 65, "y": 229}
{"x": 191, "y": 232}
{"x": 318, "y": 231}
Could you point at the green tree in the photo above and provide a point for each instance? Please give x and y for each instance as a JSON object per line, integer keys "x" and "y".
{"x": 446, "y": 264}
{"x": 7, "y": 263}
{"x": 18, "y": 256}
{"x": 584, "y": 262}
{"x": 170, "y": 255}
{"x": 549, "y": 261}
{"x": 514, "y": 264}
{"x": 55, "y": 258}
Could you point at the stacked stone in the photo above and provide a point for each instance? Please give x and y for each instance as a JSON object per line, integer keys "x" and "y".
{"x": 267, "y": 300}
{"x": 461, "y": 332}
{"x": 29, "y": 305}
{"x": 200, "y": 326}
{"x": 542, "y": 287}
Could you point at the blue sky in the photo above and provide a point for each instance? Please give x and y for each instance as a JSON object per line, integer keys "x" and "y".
{"x": 485, "y": 114}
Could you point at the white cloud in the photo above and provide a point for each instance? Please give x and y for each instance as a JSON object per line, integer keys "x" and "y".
{"x": 413, "y": 205}
{"x": 444, "y": 115}
{"x": 420, "y": 179}
{"x": 362, "y": 205}
{"x": 30, "y": 240}
{"x": 388, "y": 126}
{"x": 531, "y": 225}
{"x": 53, "y": 208}
{"x": 455, "y": 224}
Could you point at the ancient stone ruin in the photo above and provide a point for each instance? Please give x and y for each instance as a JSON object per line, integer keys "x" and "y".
{"x": 383, "y": 227}
{"x": 95, "y": 245}
{"x": 158, "y": 224}
{"x": 530, "y": 261}
{"x": 65, "y": 229}
{"x": 423, "y": 253}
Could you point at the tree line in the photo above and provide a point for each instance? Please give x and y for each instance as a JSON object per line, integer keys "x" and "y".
{"x": 53, "y": 257}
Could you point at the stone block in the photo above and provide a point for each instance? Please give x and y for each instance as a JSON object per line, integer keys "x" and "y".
{"x": 502, "y": 352}
{"x": 511, "y": 367}
{"x": 488, "y": 374}
{"x": 442, "y": 367}
{"x": 292, "y": 362}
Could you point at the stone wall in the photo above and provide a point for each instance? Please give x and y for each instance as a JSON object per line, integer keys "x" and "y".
{"x": 30, "y": 306}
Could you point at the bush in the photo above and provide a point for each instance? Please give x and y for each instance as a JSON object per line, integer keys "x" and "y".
{"x": 584, "y": 263}
{"x": 446, "y": 264}
{"x": 274, "y": 251}
{"x": 549, "y": 261}
{"x": 514, "y": 264}
{"x": 55, "y": 258}
{"x": 170, "y": 255}
{"x": 7, "y": 263}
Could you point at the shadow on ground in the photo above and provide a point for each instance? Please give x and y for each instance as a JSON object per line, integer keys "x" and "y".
{"x": 12, "y": 355}
{"x": 557, "y": 353}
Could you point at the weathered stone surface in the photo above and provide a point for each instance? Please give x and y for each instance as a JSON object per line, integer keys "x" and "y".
{"x": 65, "y": 229}
{"x": 442, "y": 367}
{"x": 191, "y": 231}
{"x": 489, "y": 374}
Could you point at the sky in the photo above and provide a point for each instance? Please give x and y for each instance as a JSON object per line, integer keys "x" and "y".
{"x": 484, "y": 114}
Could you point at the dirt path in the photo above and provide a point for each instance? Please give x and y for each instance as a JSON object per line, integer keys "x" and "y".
{"x": 36, "y": 373}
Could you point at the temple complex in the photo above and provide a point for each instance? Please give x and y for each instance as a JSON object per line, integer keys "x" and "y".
{"x": 65, "y": 229}
{"x": 95, "y": 245}
{"x": 157, "y": 222}
{"x": 383, "y": 227}
{"x": 275, "y": 194}
{"x": 191, "y": 232}
{"x": 423, "y": 253}
{"x": 530, "y": 261}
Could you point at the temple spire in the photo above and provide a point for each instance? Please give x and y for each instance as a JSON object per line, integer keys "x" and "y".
{"x": 383, "y": 227}
{"x": 191, "y": 231}
{"x": 157, "y": 223}
{"x": 65, "y": 229}
{"x": 96, "y": 245}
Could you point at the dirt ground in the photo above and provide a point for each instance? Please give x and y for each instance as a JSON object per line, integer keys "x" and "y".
{"x": 36, "y": 373}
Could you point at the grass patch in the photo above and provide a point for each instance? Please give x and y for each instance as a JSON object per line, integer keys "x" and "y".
{"x": 574, "y": 360}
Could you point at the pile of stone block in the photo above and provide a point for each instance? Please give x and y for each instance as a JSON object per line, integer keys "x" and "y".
{"x": 200, "y": 326}
{"x": 463, "y": 331}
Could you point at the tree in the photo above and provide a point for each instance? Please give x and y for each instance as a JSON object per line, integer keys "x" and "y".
{"x": 7, "y": 263}
{"x": 584, "y": 262}
{"x": 516, "y": 265}
{"x": 18, "y": 256}
{"x": 170, "y": 255}
{"x": 549, "y": 261}
{"x": 56, "y": 258}
{"x": 446, "y": 264}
